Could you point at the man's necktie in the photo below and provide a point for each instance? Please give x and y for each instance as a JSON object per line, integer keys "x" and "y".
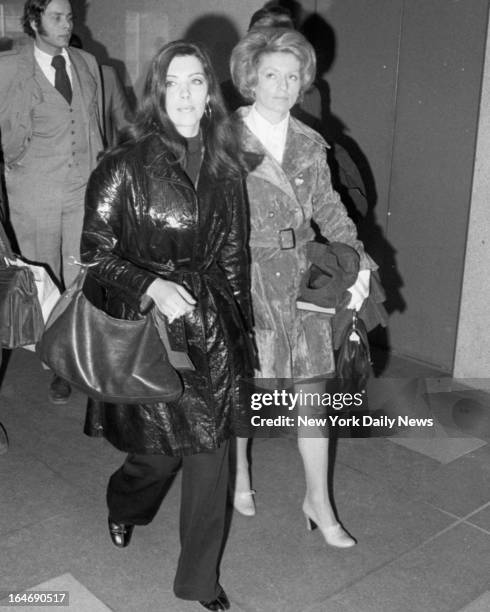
{"x": 61, "y": 79}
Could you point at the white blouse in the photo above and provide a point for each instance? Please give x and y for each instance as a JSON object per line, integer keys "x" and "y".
{"x": 271, "y": 135}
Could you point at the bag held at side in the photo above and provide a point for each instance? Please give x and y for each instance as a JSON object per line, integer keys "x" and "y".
{"x": 353, "y": 359}
{"x": 112, "y": 360}
{"x": 21, "y": 320}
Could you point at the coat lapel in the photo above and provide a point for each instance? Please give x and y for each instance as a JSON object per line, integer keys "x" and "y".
{"x": 161, "y": 165}
{"x": 269, "y": 169}
{"x": 300, "y": 152}
{"x": 85, "y": 81}
{"x": 301, "y": 148}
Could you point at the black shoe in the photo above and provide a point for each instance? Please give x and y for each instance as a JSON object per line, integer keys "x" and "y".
{"x": 59, "y": 391}
{"x": 120, "y": 533}
{"x": 220, "y": 603}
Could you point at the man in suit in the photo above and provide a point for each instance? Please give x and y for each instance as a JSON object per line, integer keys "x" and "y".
{"x": 117, "y": 113}
{"x": 50, "y": 122}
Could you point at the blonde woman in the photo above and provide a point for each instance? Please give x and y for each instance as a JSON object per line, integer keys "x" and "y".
{"x": 272, "y": 68}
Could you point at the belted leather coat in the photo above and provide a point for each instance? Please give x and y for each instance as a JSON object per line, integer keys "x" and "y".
{"x": 145, "y": 219}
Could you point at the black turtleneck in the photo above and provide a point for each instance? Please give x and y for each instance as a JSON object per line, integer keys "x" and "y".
{"x": 194, "y": 157}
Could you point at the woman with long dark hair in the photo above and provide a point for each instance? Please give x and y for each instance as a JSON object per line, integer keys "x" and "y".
{"x": 166, "y": 223}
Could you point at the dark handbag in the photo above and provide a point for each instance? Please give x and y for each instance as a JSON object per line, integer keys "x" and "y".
{"x": 353, "y": 359}
{"x": 21, "y": 320}
{"x": 109, "y": 359}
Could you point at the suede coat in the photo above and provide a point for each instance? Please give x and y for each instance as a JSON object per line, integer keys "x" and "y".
{"x": 291, "y": 343}
{"x": 145, "y": 219}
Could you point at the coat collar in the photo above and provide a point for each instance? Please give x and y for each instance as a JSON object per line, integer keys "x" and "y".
{"x": 27, "y": 62}
{"x": 160, "y": 164}
{"x": 303, "y": 147}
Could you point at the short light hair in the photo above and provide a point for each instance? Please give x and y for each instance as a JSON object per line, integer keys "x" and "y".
{"x": 246, "y": 56}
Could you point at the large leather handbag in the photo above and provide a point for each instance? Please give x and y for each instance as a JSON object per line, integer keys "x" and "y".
{"x": 21, "y": 320}
{"x": 112, "y": 360}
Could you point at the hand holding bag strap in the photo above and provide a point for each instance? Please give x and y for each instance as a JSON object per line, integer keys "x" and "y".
{"x": 109, "y": 359}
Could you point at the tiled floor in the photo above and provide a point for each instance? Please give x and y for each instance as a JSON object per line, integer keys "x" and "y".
{"x": 417, "y": 500}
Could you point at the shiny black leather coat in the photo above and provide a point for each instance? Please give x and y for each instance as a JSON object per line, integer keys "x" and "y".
{"x": 144, "y": 219}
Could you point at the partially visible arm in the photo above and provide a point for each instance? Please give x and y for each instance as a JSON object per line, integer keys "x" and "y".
{"x": 18, "y": 94}
{"x": 332, "y": 218}
{"x": 106, "y": 213}
{"x": 336, "y": 225}
{"x": 116, "y": 107}
{"x": 94, "y": 69}
{"x": 234, "y": 258}
{"x": 90, "y": 63}
{"x": 8, "y": 66}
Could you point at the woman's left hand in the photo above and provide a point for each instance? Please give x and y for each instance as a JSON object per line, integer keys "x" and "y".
{"x": 172, "y": 299}
{"x": 359, "y": 290}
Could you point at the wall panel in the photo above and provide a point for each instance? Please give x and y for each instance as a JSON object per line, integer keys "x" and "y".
{"x": 441, "y": 59}
{"x": 406, "y": 82}
{"x": 128, "y": 32}
{"x": 362, "y": 80}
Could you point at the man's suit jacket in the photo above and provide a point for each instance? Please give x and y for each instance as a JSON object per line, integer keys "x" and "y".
{"x": 20, "y": 92}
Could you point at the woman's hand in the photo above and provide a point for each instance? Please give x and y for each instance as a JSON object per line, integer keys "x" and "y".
{"x": 171, "y": 298}
{"x": 359, "y": 290}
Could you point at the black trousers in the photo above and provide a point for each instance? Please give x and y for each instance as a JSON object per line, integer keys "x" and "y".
{"x": 137, "y": 488}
